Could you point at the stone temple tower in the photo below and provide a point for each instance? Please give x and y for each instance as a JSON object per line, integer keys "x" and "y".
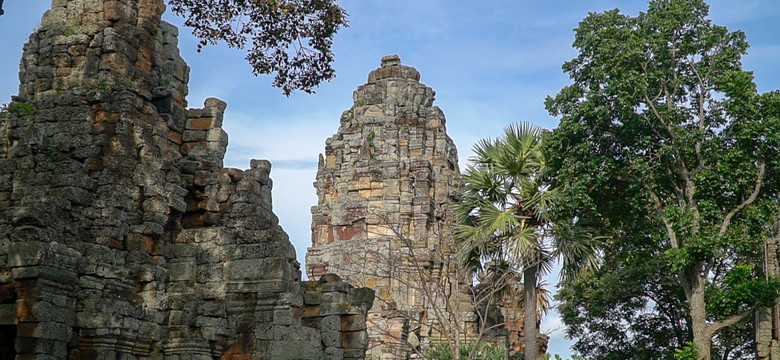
{"x": 385, "y": 187}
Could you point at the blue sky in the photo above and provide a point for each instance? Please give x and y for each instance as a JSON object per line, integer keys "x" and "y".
{"x": 491, "y": 63}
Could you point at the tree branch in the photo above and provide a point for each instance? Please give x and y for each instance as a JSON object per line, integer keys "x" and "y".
{"x": 686, "y": 175}
{"x": 717, "y": 326}
{"x": 701, "y": 124}
{"x": 662, "y": 213}
{"x": 748, "y": 201}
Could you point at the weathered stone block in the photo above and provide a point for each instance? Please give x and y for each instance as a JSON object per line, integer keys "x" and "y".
{"x": 334, "y": 297}
{"x": 193, "y": 135}
{"x": 354, "y": 339}
{"x": 182, "y": 270}
{"x": 353, "y": 322}
{"x": 333, "y": 353}
{"x": 245, "y": 269}
{"x": 27, "y": 253}
{"x": 44, "y": 330}
{"x": 312, "y": 298}
{"x": 54, "y": 348}
{"x": 202, "y": 123}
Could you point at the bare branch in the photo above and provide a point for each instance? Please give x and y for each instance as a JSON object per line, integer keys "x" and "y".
{"x": 446, "y": 308}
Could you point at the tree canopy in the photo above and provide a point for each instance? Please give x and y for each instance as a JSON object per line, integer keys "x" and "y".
{"x": 665, "y": 141}
{"x": 291, "y": 38}
{"x": 502, "y": 213}
{"x": 503, "y": 218}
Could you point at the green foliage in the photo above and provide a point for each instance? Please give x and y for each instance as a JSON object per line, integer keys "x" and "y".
{"x": 615, "y": 314}
{"x": 666, "y": 146}
{"x": 21, "y": 108}
{"x": 481, "y": 351}
{"x": 122, "y": 81}
{"x": 678, "y": 259}
{"x": 54, "y": 154}
{"x": 290, "y": 38}
{"x": 504, "y": 200}
{"x": 104, "y": 84}
{"x": 70, "y": 30}
{"x": 503, "y": 216}
{"x": 741, "y": 289}
{"x": 688, "y": 352}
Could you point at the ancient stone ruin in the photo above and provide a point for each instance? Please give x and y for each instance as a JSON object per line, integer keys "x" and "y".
{"x": 386, "y": 186}
{"x": 768, "y": 320}
{"x": 121, "y": 234}
{"x": 389, "y": 175}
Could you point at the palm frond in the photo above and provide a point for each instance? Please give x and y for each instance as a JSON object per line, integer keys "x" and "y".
{"x": 578, "y": 248}
{"x": 543, "y": 297}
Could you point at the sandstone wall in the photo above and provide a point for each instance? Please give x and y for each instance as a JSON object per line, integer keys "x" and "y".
{"x": 768, "y": 320}
{"x": 121, "y": 234}
{"x": 385, "y": 187}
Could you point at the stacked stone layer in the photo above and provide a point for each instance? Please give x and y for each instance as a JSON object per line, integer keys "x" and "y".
{"x": 121, "y": 234}
{"x": 768, "y": 320}
{"x": 386, "y": 183}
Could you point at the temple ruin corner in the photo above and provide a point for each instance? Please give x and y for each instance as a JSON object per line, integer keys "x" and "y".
{"x": 122, "y": 236}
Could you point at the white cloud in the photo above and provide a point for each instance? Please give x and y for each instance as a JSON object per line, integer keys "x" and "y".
{"x": 293, "y": 197}
{"x": 287, "y": 142}
{"x": 553, "y": 326}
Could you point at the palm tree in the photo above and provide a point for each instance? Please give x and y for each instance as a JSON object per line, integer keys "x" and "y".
{"x": 503, "y": 217}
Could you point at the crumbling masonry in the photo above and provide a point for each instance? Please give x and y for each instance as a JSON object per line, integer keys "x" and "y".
{"x": 768, "y": 320}
{"x": 121, "y": 234}
{"x": 386, "y": 187}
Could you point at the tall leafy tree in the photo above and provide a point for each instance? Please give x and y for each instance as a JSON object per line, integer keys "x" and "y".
{"x": 665, "y": 140}
{"x": 291, "y": 38}
{"x": 503, "y": 220}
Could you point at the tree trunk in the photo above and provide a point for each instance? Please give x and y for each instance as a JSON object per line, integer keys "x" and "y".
{"x": 529, "y": 315}
{"x": 701, "y": 334}
{"x": 456, "y": 350}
